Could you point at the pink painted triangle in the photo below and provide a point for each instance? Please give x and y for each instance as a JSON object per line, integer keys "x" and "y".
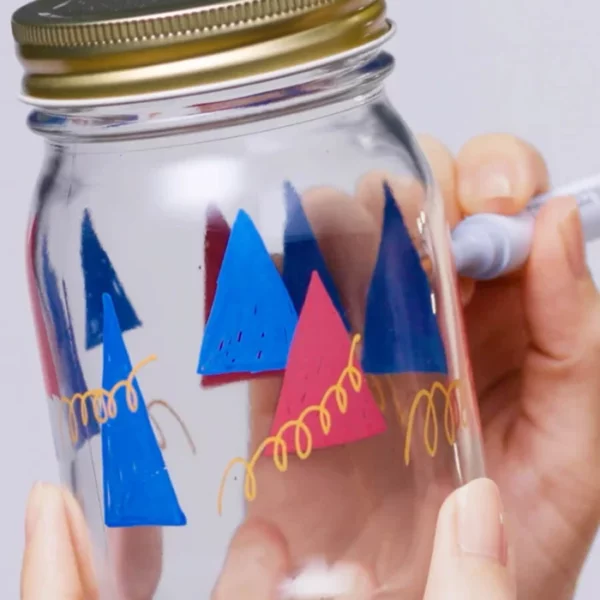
{"x": 216, "y": 239}
{"x": 319, "y": 354}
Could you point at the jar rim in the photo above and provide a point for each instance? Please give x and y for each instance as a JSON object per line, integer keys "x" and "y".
{"x": 209, "y": 43}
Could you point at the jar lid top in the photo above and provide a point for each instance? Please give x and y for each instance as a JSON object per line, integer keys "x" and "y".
{"x": 84, "y": 49}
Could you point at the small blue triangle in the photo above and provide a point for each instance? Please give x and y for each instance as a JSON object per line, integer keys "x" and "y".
{"x": 100, "y": 278}
{"x": 252, "y": 320}
{"x": 70, "y": 374}
{"x": 137, "y": 486}
{"x": 302, "y": 256}
{"x": 401, "y": 331}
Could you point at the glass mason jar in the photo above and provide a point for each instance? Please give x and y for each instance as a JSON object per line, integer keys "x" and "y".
{"x": 245, "y": 298}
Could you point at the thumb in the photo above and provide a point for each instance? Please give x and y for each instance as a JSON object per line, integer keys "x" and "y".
{"x": 50, "y": 567}
{"x": 470, "y": 556}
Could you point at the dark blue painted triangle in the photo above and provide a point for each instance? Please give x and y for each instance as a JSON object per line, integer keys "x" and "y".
{"x": 77, "y": 380}
{"x": 100, "y": 278}
{"x": 70, "y": 374}
{"x": 53, "y": 302}
{"x": 302, "y": 256}
{"x": 137, "y": 486}
{"x": 401, "y": 331}
{"x": 252, "y": 319}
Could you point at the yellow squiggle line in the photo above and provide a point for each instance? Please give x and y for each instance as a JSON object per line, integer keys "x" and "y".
{"x": 104, "y": 405}
{"x": 280, "y": 450}
{"x": 431, "y": 427}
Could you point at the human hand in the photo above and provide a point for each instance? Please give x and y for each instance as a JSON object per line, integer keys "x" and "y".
{"x": 58, "y": 558}
{"x": 534, "y": 340}
{"x": 535, "y": 346}
{"x": 57, "y": 563}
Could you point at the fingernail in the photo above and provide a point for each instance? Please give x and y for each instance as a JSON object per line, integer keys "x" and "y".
{"x": 571, "y": 232}
{"x": 480, "y": 521}
{"x": 489, "y": 189}
{"x": 34, "y": 508}
{"x": 49, "y": 510}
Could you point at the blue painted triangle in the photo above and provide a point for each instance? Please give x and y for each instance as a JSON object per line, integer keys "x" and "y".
{"x": 252, "y": 321}
{"x": 100, "y": 278}
{"x": 76, "y": 380}
{"x": 401, "y": 331}
{"x": 76, "y": 377}
{"x": 53, "y": 300}
{"x": 302, "y": 256}
{"x": 70, "y": 374}
{"x": 137, "y": 486}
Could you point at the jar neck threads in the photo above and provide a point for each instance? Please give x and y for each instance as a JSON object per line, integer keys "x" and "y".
{"x": 294, "y": 96}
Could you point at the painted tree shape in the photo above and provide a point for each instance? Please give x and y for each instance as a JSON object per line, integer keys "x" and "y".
{"x": 69, "y": 369}
{"x": 252, "y": 320}
{"x": 137, "y": 486}
{"x": 215, "y": 244}
{"x": 100, "y": 278}
{"x": 319, "y": 355}
{"x": 401, "y": 329}
{"x": 302, "y": 256}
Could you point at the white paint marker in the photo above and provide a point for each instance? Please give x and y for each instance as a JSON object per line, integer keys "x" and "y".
{"x": 486, "y": 246}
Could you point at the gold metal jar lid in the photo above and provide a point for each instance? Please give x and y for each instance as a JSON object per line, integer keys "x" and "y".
{"x": 77, "y": 50}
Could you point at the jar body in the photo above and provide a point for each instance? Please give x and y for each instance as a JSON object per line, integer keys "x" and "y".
{"x": 254, "y": 356}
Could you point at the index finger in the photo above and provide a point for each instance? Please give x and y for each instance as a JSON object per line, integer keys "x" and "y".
{"x": 499, "y": 173}
{"x": 409, "y": 190}
{"x": 50, "y": 566}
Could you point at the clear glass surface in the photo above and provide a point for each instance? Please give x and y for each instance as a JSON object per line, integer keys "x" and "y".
{"x": 251, "y": 339}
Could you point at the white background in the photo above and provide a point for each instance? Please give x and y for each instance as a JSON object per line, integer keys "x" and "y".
{"x": 464, "y": 67}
